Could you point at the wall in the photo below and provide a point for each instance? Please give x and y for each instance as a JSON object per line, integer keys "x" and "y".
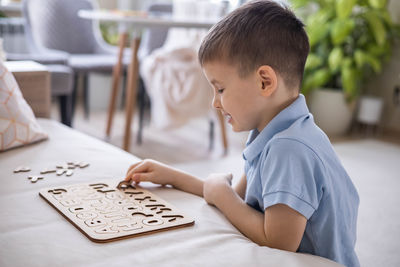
{"x": 383, "y": 84}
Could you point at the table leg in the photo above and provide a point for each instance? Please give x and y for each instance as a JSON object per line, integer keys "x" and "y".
{"x": 131, "y": 89}
{"x": 223, "y": 131}
{"x": 115, "y": 82}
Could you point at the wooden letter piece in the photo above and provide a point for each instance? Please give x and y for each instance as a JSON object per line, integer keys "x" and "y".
{"x": 129, "y": 226}
{"x": 22, "y": 169}
{"x": 47, "y": 170}
{"x": 34, "y": 179}
{"x": 106, "y": 230}
{"x": 86, "y": 215}
{"x": 152, "y": 222}
{"x": 95, "y": 222}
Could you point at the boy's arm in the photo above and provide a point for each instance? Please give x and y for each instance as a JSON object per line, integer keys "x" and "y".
{"x": 280, "y": 227}
{"x": 158, "y": 173}
{"x": 188, "y": 183}
{"x": 240, "y": 187}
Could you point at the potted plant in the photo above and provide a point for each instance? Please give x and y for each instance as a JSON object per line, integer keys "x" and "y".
{"x": 349, "y": 41}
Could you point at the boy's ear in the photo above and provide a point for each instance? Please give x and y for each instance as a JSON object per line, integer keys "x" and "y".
{"x": 268, "y": 80}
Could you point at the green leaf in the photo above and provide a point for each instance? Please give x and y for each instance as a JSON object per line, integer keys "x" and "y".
{"x": 320, "y": 17}
{"x": 363, "y": 59}
{"x": 377, "y": 3}
{"x": 374, "y": 63}
{"x": 313, "y": 61}
{"x": 376, "y": 50}
{"x": 344, "y": 8}
{"x": 360, "y": 58}
{"x": 317, "y": 32}
{"x": 341, "y": 29}
{"x": 321, "y": 77}
{"x": 335, "y": 59}
{"x": 307, "y": 85}
{"x": 386, "y": 17}
{"x": 315, "y": 79}
{"x": 347, "y": 62}
{"x": 299, "y": 3}
{"x": 349, "y": 82}
{"x": 377, "y": 27}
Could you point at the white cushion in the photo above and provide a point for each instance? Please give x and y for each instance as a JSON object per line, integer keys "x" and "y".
{"x": 18, "y": 125}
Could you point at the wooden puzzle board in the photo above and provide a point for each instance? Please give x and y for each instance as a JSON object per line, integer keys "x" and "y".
{"x": 105, "y": 213}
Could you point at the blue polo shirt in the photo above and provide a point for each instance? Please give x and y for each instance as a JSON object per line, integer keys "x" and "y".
{"x": 291, "y": 161}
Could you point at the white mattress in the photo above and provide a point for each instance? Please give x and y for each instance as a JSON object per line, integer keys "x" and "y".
{"x": 32, "y": 233}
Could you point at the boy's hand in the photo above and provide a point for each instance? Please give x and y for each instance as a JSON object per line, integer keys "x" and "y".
{"x": 151, "y": 171}
{"x": 215, "y": 185}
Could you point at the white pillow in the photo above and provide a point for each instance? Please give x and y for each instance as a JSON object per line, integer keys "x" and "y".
{"x": 18, "y": 125}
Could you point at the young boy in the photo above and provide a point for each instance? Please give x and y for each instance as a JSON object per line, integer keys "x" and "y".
{"x": 295, "y": 195}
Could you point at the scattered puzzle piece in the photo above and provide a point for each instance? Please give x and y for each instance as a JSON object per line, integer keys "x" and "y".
{"x": 71, "y": 166}
{"x": 66, "y": 171}
{"x": 34, "y": 179}
{"x": 83, "y": 164}
{"x": 74, "y": 164}
{"x": 68, "y": 167}
{"x": 22, "y": 169}
{"x": 60, "y": 169}
{"x": 62, "y": 166}
{"x": 47, "y": 170}
{"x": 61, "y": 172}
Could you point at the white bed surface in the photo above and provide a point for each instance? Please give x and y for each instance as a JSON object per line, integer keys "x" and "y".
{"x": 32, "y": 233}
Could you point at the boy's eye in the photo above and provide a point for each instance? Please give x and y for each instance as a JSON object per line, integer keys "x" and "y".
{"x": 219, "y": 91}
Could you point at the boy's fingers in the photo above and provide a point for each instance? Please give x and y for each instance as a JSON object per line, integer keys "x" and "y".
{"x": 142, "y": 177}
{"x": 133, "y": 166}
{"x": 140, "y": 167}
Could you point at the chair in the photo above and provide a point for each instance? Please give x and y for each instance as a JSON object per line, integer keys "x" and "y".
{"x": 152, "y": 39}
{"x": 61, "y": 76}
{"x": 55, "y": 24}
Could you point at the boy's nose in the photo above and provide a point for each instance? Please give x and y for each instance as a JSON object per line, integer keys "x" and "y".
{"x": 216, "y": 102}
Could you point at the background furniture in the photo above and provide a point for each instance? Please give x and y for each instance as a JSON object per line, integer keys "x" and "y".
{"x": 61, "y": 76}
{"x": 152, "y": 39}
{"x": 55, "y": 24}
{"x": 60, "y": 86}
{"x": 34, "y": 81}
{"x": 139, "y": 23}
{"x": 32, "y": 228}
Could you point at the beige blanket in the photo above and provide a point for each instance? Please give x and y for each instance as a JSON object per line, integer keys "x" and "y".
{"x": 177, "y": 87}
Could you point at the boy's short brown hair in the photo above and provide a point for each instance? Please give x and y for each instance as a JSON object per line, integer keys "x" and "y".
{"x": 259, "y": 33}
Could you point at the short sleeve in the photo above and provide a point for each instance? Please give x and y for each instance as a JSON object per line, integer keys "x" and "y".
{"x": 289, "y": 175}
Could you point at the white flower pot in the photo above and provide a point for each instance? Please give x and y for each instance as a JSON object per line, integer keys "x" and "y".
{"x": 331, "y": 111}
{"x": 370, "y": 110}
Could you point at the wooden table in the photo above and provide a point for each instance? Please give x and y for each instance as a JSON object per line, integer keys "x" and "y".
{"x": 139, "y": 22}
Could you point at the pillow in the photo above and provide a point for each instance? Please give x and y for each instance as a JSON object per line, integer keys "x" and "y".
{"x": 18, "y": 125}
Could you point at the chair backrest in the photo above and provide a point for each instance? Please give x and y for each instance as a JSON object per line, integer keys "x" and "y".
{"x": 55, "y": 24}
{"x": 154, "y": 38}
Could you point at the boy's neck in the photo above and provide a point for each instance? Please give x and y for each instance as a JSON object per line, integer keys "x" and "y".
{"x": 278, "y": 103}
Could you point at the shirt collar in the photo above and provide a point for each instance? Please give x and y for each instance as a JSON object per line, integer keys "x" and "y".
{"x": 257, "y": 141}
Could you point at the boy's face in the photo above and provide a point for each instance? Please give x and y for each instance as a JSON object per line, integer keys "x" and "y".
{"x": 238, "y": 98}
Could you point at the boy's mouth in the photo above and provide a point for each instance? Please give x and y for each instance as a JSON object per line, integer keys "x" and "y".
{"x": 228, "y": 118}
